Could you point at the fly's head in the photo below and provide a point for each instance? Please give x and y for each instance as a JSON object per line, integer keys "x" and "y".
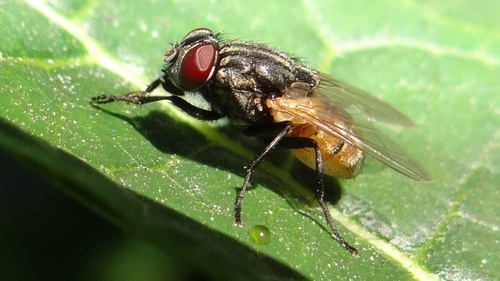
{"x": 191, "y": 63}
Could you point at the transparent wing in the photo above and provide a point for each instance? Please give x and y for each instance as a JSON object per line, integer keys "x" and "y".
{"x": 358, "y": 102}
{"x": 330, "y": 109}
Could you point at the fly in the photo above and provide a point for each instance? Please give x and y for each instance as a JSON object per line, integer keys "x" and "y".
{"x": 327, "y": 124}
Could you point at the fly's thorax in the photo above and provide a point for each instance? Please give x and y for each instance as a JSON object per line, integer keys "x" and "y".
{"x": 247, "y": 74}
{"x": 246, "y": 106}
{"x": 273, "y": 71}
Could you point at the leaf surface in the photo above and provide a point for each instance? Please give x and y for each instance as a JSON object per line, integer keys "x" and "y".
{"x": 173, "y": 180}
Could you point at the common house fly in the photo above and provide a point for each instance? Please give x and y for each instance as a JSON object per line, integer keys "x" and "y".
{"x": 327, "y": 124}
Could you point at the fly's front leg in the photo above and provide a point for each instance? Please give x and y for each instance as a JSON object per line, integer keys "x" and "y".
{"x": 143, "y": 97}
{"x": 140, "y": 97}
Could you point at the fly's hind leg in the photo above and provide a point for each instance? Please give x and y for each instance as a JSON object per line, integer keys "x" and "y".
{"x": 295, "y": 143}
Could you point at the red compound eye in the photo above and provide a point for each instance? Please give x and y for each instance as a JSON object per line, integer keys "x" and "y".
{"x": 196, "y": 66}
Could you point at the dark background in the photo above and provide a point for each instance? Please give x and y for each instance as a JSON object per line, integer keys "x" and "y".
{"x": 45, "y": 235}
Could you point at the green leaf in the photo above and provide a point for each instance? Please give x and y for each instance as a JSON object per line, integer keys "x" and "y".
{"x": 171, "y": 179}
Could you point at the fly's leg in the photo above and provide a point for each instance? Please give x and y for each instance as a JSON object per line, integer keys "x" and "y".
{"x": 143, "y": 97}
{"x": 140, "y": 97}
{"x": 293, "y": 143}
{"x": 320, "y": 193}
{"x": 251, "y": 167}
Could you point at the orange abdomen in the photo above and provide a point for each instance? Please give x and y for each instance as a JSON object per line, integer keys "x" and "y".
{"x": 340, "y": 159}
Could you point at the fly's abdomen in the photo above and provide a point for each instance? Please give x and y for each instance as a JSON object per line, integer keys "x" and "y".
{"x": 340, "y": 159}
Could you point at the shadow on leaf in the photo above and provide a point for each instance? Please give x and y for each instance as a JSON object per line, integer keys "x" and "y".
{"x": 173, "y": 137}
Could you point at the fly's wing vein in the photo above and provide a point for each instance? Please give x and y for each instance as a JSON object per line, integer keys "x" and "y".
{"x": 358, "y": 102}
